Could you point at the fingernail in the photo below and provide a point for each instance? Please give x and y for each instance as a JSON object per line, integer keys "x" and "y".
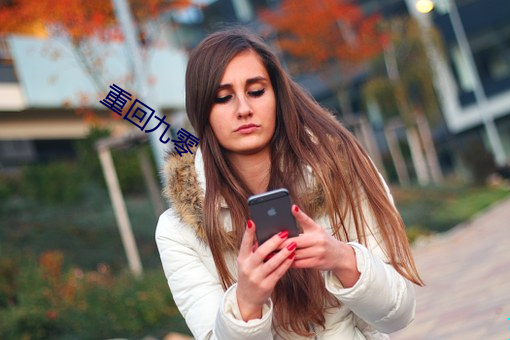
{"x": 268, "y": 257}
{"x": 292, "y": 246}
{"x": 283, "y": 234}
{"x": 296, "y": 208}
{"x": 291, "y": 256}
{"x": 250, "y": 224}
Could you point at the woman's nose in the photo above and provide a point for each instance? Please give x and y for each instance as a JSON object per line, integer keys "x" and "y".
{"x": 243, "y": 107}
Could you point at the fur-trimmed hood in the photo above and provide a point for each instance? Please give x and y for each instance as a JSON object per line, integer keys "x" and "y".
{"x": 185, "y": 190}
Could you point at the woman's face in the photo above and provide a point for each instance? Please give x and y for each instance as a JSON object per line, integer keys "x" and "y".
{"x": 243, "y": 115}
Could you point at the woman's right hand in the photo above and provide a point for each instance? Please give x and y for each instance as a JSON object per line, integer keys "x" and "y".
{"x": 256, "y": 277}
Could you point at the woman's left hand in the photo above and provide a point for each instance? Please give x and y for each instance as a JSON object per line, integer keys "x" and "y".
{"x": 317, "y": 249}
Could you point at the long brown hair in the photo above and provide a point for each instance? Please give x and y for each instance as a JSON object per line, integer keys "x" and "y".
{"x": 305, "y": 135}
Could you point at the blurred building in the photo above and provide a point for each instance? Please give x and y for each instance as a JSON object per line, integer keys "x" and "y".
{"x": 487, "y": 26}
{"x": 43, "y": 83}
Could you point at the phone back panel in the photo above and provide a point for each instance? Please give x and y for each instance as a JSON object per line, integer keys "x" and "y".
{"x": 271, "y": 213}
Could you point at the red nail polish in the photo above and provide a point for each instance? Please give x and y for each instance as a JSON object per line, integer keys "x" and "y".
{"x": 296, "y": 208}
{"x": 291, "y": 256}
{"x": 283, "y": 234}
{"x": 268, "y": 257}
{"x": 250, "y": 224}
{"x": 292, "y": 246}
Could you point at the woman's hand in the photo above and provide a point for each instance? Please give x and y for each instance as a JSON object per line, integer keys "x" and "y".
{"x": 319, "y": 250}
{"x": 256, "y": 278}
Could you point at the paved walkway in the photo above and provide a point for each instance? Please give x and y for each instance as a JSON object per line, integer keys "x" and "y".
{"x": 467, "y": 276}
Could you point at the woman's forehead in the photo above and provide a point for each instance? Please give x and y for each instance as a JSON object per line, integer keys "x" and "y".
{"x": 246, "y": 66}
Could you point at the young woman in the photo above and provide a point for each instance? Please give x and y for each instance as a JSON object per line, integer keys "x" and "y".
{"x": 348, "y": 275}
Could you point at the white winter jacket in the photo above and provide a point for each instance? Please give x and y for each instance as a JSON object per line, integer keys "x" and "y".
{"x": 381, "y": 302}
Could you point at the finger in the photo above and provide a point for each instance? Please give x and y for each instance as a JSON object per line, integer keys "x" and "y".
{"x": 303, "y": 241}
{"x": 255, "y": 246}
{"x": 304, "y": 263}
{"x": 303, "y": 219}
{"x": 248, "y": 240}
{"x": 280, "y": 257}
{"x": 307, "y": 253}
{"x": 271, "y": 244}
{"x": 281, "y": 269}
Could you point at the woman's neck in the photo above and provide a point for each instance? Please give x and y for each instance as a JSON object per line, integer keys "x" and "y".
{"x": 253, "y": 169}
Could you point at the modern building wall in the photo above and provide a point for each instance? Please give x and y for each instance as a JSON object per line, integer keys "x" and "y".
{"x": 487, "y": 26}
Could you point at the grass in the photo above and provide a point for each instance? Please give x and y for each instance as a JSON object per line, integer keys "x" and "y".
{"x": 86, "y": 231}
{"x": 437, "y": 209}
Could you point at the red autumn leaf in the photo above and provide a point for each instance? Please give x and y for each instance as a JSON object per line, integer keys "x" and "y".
{"x": 319, "y": 31}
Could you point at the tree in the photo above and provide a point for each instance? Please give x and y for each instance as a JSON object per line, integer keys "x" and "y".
{"x": 407, "y": 89}
{"x": 327, "y": 35}
{"x": 82, "y": 23}
{"x": 334, "y": 39}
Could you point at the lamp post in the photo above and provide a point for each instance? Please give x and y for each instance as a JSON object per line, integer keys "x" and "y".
{"x": 425, "y": 6}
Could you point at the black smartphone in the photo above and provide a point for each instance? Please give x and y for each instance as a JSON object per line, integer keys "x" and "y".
{"x": 271, "y": 213}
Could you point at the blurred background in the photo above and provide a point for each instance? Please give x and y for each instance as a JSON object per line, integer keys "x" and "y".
{"x": 424, "y": 85}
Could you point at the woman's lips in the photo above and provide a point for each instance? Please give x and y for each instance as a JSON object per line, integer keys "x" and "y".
{"x": 247, "y": 129}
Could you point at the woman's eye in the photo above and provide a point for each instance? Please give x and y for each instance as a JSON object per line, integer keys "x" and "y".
{"x": 257, "y": 93}
{"x": 223, "y": 99}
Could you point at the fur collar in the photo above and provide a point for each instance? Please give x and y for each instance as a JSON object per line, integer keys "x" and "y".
{"x": 185, "y": 190}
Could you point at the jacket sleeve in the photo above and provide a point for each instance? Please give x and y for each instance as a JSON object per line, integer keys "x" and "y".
{"x": 210, "y": 313}
{"x": 381, "y": 297}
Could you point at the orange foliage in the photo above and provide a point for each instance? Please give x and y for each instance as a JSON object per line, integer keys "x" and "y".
{"x": 51, "y": 263}
{"x": 78, "y": 18}
{"x": 319, "y": 31}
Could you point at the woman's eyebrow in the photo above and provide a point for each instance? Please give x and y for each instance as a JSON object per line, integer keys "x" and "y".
{"x": 255, "y": 80}
{"x": 249, "y": 81}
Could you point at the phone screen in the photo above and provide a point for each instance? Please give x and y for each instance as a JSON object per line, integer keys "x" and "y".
{"x": 271, "y": 213}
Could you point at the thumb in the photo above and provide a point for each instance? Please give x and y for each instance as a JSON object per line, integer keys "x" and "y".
{"x": 303, "y": 219}
{"x": 248, "y": 239}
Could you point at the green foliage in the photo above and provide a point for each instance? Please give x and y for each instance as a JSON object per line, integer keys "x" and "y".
{"x": 8, "y": 273}
{"x": 88, "y": 159}
{"x": 53, "y": 183}
{"x": 381, "y": 91}
{"x": 126, "y": 162}
{"x": 411, "y": 87}
{"x": 76, "y": 229}
{"x": 54, "y": 302}
{"x": 4, "y": 191}
{"x": 437, "y": 209}
{"x": 64, "y": 182}
{"x": 129, "y": 171}
{"x": 414, "y": 232}
{"x": 61, "y": 258}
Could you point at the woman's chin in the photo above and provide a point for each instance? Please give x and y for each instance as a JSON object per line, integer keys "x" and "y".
{"x": 248, "y": 149}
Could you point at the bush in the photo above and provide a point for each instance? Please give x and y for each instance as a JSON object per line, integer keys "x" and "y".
{"x": 8, "y": 273}
{"x": 65, "y": 181}
{"x": 126, "y": 162}
{"x": 88, "y": 158}
{"x": 129, "y": 171}
{"x": 52, "y": 302}
{"x": 4, "y": 192}
{"x": 53, "y": 183}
